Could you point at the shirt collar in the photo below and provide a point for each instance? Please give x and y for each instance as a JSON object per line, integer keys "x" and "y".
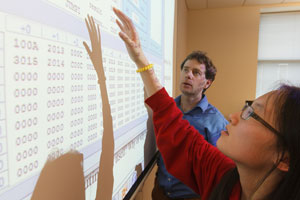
{"x": 203, "y": 104}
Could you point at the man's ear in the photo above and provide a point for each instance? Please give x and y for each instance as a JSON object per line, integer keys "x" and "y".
{"x": 208, "y": 83}
{"x": 284, "y": 164}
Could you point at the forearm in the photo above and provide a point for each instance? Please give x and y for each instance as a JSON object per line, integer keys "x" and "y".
{"x": 151, "y": 82}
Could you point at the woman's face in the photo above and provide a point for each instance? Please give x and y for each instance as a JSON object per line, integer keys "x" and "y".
{"x": 248, "y": 142}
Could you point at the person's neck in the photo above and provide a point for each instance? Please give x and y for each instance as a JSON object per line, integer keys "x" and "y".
{"x": 187, "y": 103}
{"x": 252, "y": 188}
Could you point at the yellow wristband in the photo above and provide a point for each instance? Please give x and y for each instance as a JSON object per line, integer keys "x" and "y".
{"x": 144, "y": 68}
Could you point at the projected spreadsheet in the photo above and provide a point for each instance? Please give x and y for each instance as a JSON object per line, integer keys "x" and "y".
{"x": 50, "y": 101}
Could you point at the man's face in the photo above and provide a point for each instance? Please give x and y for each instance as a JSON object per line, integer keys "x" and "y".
{"x": 192, "y": 78}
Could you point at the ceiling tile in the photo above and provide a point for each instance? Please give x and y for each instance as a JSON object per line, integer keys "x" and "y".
{"x": 291, "y": 1}
{"x": 260, "y": 2}
{"x": 196, "y": 4}
{"x": 222, "y": 3}
{"x": 200, "y": 4}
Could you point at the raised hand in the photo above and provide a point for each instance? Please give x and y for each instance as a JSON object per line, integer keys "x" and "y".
{"x": 96, "y": 52}
{"x": 130, "y": 36}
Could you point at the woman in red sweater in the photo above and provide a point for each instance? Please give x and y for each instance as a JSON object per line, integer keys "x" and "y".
{"x": 257, "y": 156}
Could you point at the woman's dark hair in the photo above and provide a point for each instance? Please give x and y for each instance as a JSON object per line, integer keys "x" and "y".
{"x": 287, "y": 120}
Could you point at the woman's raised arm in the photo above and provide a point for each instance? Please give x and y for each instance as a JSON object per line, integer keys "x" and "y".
{"x": 131, "y": 39}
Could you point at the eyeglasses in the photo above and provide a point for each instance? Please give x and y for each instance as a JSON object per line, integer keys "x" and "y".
{"x": 248, "y": 112}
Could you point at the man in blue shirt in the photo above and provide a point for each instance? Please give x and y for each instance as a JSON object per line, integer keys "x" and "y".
{"x": 197, "y": 75}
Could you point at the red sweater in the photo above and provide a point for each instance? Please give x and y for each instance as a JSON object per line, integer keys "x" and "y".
{"x": 187, "y": 155}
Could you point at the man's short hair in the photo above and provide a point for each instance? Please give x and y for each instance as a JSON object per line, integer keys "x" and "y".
{"x": 200, "y": 56}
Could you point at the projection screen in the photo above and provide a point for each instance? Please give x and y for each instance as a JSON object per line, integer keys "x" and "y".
{"x": 50, "y": 101}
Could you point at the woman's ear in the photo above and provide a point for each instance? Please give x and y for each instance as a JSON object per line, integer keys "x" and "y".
{"x": 284, "y": 164}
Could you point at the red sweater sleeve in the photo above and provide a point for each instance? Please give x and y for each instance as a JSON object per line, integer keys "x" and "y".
{"x": 187, "y": 155}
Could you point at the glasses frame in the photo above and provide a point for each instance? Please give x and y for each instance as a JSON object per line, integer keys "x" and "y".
{"x": 258, "y": 118}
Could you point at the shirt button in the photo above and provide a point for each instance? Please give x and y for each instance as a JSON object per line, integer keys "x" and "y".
{"x": 169, "y": 179}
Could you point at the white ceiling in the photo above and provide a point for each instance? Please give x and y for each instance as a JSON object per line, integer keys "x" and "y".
{"x": 200, "y": 4}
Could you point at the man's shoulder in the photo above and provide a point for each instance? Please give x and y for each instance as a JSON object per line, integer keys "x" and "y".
{"x": 214, "y": 111}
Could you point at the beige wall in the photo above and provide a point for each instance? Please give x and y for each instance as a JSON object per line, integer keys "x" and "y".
{"x": 180, "y": 40}
{"x": 230, "y": 38}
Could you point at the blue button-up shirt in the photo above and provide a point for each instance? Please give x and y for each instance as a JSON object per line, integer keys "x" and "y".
{"x": 209, "y": 122}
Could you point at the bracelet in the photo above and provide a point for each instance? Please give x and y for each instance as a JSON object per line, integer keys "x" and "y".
{"x": 144, "y": 68}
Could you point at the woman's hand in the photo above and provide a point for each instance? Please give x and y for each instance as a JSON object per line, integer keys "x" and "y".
{"x": 130, "y": 36}
{"x": 96, "y": 52}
